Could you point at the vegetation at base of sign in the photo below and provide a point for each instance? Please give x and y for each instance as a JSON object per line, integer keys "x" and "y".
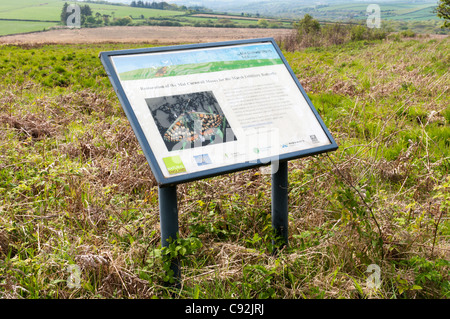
{"x": 79, "y": 205}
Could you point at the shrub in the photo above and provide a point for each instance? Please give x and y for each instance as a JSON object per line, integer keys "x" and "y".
{"x": 123, "y": 21}
{"x": 408, "y": 34}
{"x": 357, "y": 33}
{"x": 309, "y": 33}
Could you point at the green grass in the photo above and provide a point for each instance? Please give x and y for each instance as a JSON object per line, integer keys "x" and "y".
{"x": 347, "y": 11}
{"x": 38, "y": 11}
{"x": 395, "y": 16}
{"x": 78, "y": 200}
{"x": 13, "y": 27}
{"x": 42, "y": 12}
{"x": 123, "y": 11}
{"x": 416, "y": 14}
{"x": 51, "y": 10}
{"x": 31, "y": 10}
{"x": 400, "y": 10}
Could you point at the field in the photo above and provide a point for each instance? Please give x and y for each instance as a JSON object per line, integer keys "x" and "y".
{"x": 397, "y": 10}
{"x": 142, "y": 34}
{"x": 35, "y": 15}
{"x": 50, "y": 10}
{"x": 38, "y": 14}
{"x": 14, "y": 27}
{"x": 337, "y": 11}
{"x": 79, "y": 205}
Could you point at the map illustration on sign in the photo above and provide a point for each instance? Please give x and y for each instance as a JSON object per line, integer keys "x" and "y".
{"x": 206, "y": 109}
{"x": 190, "y": 120}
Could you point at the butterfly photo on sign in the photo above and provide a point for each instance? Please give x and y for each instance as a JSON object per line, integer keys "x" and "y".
{"x": 190, "y": 120}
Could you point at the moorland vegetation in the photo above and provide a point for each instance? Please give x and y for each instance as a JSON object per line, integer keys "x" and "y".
{"x": 79, "y": 205}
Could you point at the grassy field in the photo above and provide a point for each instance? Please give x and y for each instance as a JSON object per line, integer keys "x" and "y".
{"x": 79, "y": 205}
{"x": 396, "y": 16}
{"x": 51, "y": 10}
{"x": 13, "y": 27}
{"x": 43, "y": 12}
{"x": 36, "y": 15}
{"x": 403, "y": 11}
{"x": 343, "y": 11}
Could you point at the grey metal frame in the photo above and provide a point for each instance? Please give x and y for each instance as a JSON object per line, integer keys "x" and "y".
{"x": 157, "y": 172}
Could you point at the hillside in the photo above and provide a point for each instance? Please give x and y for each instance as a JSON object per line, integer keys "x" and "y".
{"x": 396, "y": 15}
{"x": 330, "y": 9}
{"x": 23, "y": 16}
{"x": 79, "y": 205}
{"x": 34, "y": 15}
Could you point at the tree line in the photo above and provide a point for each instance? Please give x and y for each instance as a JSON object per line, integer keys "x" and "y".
{"x": 88, "y": 18}
{"x": 156, "y": 5}
{"x": 167, "y": 6}
{"x": 309, "y": 32}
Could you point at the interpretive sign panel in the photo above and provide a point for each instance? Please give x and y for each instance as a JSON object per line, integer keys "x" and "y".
{"x": 207, "y": 109}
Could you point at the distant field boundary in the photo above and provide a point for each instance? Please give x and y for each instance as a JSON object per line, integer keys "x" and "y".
{"x": 229, "y": 16}
{"x": 29, "y": 20}
{"x": 141, "y": 34}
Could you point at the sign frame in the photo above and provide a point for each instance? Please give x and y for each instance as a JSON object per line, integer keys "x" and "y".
{"x": 163, "y": 181}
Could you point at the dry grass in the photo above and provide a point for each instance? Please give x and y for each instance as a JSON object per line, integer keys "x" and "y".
{"x": 75, "y": 189}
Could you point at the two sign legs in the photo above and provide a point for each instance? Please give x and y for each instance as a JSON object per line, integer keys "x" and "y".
{"x": 168, "y": 210}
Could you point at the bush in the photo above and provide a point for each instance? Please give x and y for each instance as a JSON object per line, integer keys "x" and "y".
{"x": 408, "y": 34}
{"x": 335, "y": 33}
{"x": 309, "y": 33}
{"x": 357, "y": 33}
{"x": 123, "y": 21}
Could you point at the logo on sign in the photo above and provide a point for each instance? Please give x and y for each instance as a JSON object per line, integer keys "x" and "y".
{"x": 202, "y": 159}
{"x": 174, "y": 164}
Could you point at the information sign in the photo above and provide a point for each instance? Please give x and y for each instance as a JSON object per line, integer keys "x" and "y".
{"x": 203, "y": 110}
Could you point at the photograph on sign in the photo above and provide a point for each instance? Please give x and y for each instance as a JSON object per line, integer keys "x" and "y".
{"x": 189, "y": 120}
{"x": 206, "y": 108}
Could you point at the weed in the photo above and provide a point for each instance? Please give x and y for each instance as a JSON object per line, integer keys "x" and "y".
{"x": 75, "y": 188}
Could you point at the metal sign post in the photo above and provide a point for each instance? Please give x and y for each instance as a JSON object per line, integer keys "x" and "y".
{"x": 280, "y": 204}
{"x": 168, "y": 214}
{"x": 168, "y": 210}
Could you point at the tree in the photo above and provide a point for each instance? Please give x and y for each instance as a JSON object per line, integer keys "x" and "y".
{"x": 263, "y": 23}
{"x": 443, "y": 12}
{"x": 64, "y": 13}
{"x": 86, "y": 10}
{"x": 307, "y": 25}
{"x": 106, "y": 19}
{"x": 308, "y": 31}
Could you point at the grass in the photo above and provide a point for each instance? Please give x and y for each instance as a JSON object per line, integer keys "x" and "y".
{"x": 79, "y": 205}
{"x": 37, "y": 15}
{"x": 398, "y": 16}
{"x": 51, "y": 10}
{"x": 13, "y": 27}
{"x": 346, "y": 11}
